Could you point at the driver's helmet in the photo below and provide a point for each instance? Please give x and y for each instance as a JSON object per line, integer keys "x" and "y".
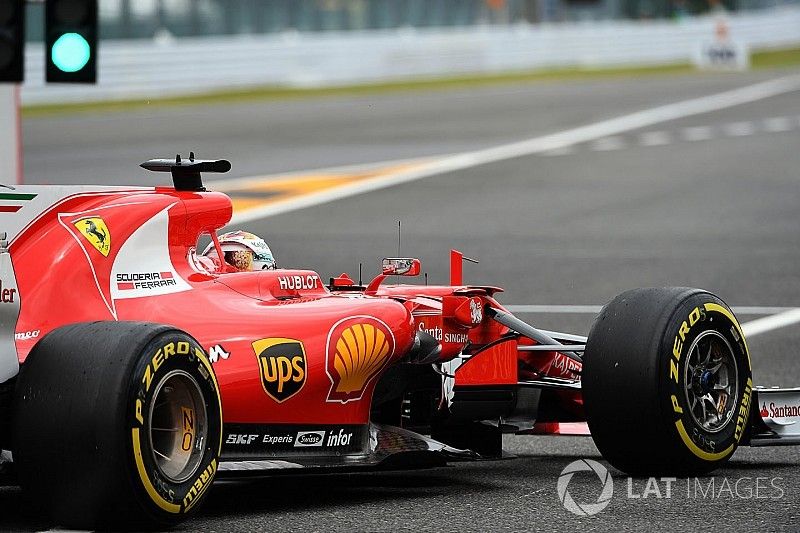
{"x": 244, "y": 251}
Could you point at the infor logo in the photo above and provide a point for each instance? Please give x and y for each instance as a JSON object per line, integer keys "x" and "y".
{"x": 590, "y": 508}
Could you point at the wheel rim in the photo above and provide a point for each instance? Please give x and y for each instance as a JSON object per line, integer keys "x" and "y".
{"x": 178, "y": 426}
{"x": 711, "y": 379}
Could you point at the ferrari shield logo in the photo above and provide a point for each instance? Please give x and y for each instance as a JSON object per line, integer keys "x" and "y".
{"x": 96, "y": 232}
{"x": 282, "y": 363}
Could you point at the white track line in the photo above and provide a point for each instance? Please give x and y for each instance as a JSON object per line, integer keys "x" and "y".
{"x": 594, "y": 309}
{"x": 536, "y": 145}
{"x": 566, "y": 150}
{"x": 779, "y": 317}
{"x": 768, "y": 323}
{"x": 556, "y": 309}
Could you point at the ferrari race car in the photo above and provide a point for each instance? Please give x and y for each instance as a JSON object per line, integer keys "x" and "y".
{"x": 133, "y": 374}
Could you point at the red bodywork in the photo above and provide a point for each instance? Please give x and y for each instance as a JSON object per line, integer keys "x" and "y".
{"x": 145, "y": 268}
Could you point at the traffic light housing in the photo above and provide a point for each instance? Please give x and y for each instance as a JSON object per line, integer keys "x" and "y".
{"x": 71, "y": 41}
{"x": 12, "y": 40}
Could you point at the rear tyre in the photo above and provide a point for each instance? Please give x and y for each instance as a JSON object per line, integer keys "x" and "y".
{"x": 667, "y": 382}
{"x": 117, "y": 424}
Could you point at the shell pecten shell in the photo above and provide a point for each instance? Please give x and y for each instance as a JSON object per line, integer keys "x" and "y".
{"x": 358, "y": 349}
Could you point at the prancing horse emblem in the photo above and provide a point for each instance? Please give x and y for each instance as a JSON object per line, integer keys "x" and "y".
{"x": 96, "y": 232}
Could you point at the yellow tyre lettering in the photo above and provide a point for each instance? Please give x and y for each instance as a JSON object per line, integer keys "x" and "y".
{"x": 188, "y": 429}
{"x": 744, "y": 410}
{"x": 138, "y": 411}
{"x": 694, "y": 316}
{"x": 702, "y": 454}
{"x": 201, "y": 355}
{"x": 721, "y": 309}
{"x": 683, "y": 331}
{"x": 675, "y": 406}
{"x": 148, "y": 485}
{"x": 160, "y": 357}
{"x": 147, "y": 379}
{"x": 201, "y": 484}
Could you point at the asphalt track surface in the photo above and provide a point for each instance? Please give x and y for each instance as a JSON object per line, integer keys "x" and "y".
{"x": 719, "y": 210}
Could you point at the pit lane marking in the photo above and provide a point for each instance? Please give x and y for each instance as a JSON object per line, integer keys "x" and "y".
{"x": 739, "y": 129}
{"x": 778, "y": 124}
{"x": 608, "y": 144}
{"x": 697, "y": 133}
{"x": 778, "y": 317}
{"x": 655, "y": 138}
{"x": 690, "y": 134}
{"x": 536, "y": 145}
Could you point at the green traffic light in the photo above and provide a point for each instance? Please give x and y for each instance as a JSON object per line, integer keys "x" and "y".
{"x": 70, "y": 52}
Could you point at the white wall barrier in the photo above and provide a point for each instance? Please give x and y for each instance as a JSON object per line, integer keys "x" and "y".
{"x": 10, "y": 137}
{"x": 151, "y": 69}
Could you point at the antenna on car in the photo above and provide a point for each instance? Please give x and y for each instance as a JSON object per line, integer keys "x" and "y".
{"x": 186, "y": 174}
{"x": 399, "y": 228}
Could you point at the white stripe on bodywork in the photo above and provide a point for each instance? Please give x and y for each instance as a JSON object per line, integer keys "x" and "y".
{"x": 147, "y": 250}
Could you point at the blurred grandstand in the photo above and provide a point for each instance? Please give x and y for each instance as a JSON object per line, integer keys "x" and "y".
{"x": 153, "y": 48}
{"x": 142, "y": 19}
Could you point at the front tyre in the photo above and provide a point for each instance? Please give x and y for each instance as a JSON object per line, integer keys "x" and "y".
{"x": 667, "y": 382}
{"x": 117, "y": 424}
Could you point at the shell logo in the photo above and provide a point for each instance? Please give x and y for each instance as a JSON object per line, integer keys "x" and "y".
{"x": 358, "y": 349}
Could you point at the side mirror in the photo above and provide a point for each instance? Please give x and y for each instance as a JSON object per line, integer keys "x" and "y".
{"x": 401, "y": 266}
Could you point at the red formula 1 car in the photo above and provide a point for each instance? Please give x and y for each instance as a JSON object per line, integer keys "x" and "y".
{"x": 133, "y": 374}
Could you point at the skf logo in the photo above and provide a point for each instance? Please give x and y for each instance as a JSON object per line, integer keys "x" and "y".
{"x": 283, "y": 367}
{"x": 358, "y": 349}
{"x": 96, "y": 232}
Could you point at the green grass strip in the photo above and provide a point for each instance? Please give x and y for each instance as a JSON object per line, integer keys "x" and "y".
{"x": 764, "y": 59}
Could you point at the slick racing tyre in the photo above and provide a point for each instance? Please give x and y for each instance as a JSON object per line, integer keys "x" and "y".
{"x": 667, "y": 382}
{"x": 117, "y": 425}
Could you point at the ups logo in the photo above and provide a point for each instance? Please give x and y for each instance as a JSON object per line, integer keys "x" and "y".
{"x": 283, "y": 367}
